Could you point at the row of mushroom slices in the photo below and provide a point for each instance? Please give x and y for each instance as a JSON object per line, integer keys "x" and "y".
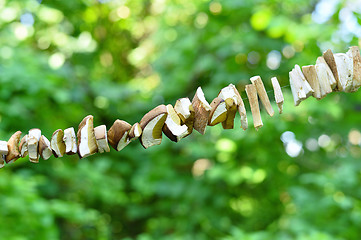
{"x": 176, "y": 122}
{"x": 331, "y": 73}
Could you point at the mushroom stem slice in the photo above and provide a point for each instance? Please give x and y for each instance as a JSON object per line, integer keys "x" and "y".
{"x": 4, "y": 150}
{"x": 253, "y": 101}
{"x": 33, "y": 143}
{"x": 344, "y": 66}
{"x": 257, "y": 81}
{"x": 152, "y": 124}
{"x": 354, "y": 54}
{"x": 69, "y": 139}
{"x": 23, "y": 146}
{"x": 322, "y": 66}
{"x": 278, "y": 94}
{"x": 102, "y": 139}
{"x": 311, "y": 77}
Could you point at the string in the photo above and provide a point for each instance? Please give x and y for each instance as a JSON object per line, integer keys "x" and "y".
{"x": 270, "y": 91}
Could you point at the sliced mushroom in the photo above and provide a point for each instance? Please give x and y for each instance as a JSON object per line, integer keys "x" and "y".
{"x": 172, "y": 126}
{"x": 23, "y": 146}
{"x": 45, "y": 150}
{"x": 278, "y": 94}
{"x": 253, "y": 102}
{"x": 241, "y": 110}
{"x": 329, "y": 59}
{"x": 354, "y": 54}
{"x": 152, "y": 125}
{"x": 185, "y": 111}
{"x": 13, "y": 146}
{"x": 33, "y": 143}
{"x": 325, "y": 77}
{"x": 233, "y": 101}
{"x": 69, "y": 139}
{"x": 257, "y": 81}
{"x": 135, "y": 132}
{"x": 202, "y": 109}
{"x": 102, "y": 139}
{"x": 118, "y": 134}
{"x": 311, "y": 76}
{"x": 218, "y": 113}
{"x": 323, "y": 67}
{"x": 300, "y": 88}
{"x": 87, "y": 144}
{"x": 344, "y": 66}
{"x": 3, "y": 152}
{"x": 57, "y": 143}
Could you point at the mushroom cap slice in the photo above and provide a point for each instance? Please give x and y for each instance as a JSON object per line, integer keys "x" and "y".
{"x": 102, "y": 139}
{"x": 152, "y": 125}
{"x": 87, "y": 144}
{"x": 135, "y": 132}
{"x": 202, "y": 109}
{"x": 183, "y": 107}
{"x": 231, "y": 114}
{"x": 117, "y": 132}
{"x": 69, "y": 139}
{"x": 57, "y": 143}
{"x": 218, "y": 113}
{"x": 33, "y": 143}
{"x": 13, "y": 146}
{"x": 45, "y": 150}
{"x": 172, "y": 127}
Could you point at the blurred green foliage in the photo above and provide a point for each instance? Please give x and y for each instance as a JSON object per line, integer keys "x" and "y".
{"x": 63, "y": 60}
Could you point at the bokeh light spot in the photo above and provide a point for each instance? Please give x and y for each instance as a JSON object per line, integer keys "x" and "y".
{"x": 312, "y": 144}
{"x": 274, "y": 59}
{"x": 201, "y": 20}
{"x": 27, "y": 19}
{"x": 288, "y": 51}
{"x": 354, "y": 137}
{"x": 226, "y": 145}
{"x": 215, "y": 8}
{"x": 123, "y": 12}
{"x": 101, "y": 102}
{"x": 56, "y": 60}
{"x": 200, "y": 166}
{"x": 253, "y": 57}
{"x": 324, "y": 141}
{"x": 261, "y": 19}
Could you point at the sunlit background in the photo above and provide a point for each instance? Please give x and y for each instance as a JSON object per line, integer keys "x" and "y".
{"x": 298, "y": 177}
